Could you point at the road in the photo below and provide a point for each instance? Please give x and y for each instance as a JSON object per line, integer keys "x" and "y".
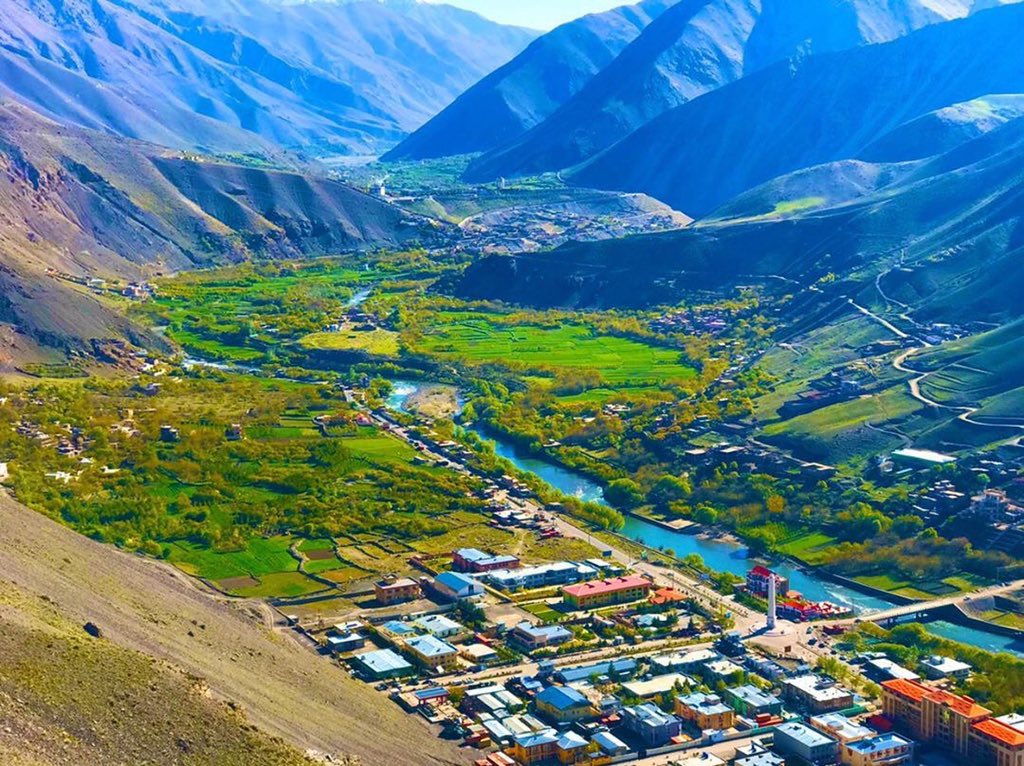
{"x": 965, "y": 414}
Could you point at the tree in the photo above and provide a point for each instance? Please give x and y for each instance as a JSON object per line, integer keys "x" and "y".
{"x": 624, "y": 493}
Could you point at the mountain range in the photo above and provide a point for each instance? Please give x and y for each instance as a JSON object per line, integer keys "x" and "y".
{"x": 695, "y": 48}
{"x": 225, "y": 76}
{"x": 84, "y": 203}
{"x": 528, "y": 89}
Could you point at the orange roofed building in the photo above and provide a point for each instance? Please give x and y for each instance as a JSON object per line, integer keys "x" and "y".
{"x": 597, "y": 593}
{"x": 951, "y": 722}
{"x": 994, "y": 741}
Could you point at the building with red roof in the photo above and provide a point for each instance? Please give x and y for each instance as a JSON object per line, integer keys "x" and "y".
{"x": 597, "y": 593}
{"x": 935, "y": 716}
{"x": 995, "y": 741}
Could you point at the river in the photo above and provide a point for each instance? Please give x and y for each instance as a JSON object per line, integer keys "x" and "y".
{"x": 720, "y": 555}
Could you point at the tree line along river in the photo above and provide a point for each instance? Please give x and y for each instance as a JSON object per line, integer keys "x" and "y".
{"x": 719, "y": 555}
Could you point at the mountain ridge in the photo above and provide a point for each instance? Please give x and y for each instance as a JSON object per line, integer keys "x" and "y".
{"x": 526, "y": 90}
{"x": 693, "y": 49}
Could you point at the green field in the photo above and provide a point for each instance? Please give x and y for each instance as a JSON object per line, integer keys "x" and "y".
{"x": 262, "y": 556}
{"x": 378, "y": 342}
{"x": 621, "y": 361}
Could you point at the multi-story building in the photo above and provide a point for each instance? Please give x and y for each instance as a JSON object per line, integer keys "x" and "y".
{"x": 433, "y": 652}
{"x": 994, "y": 741}
{"x": 541, "y": 576}
{"x": 396, "y": 591}
{"x": 801, "y": 744}
{"x": 933, "y": 715}
{"x": 473, "y": 560}
{"x": 757, "y": 582}
{"x": 563, "y": 704}
{"x": 653, "y": 726}
{"x": 817, "y": 694}
{"x": 749, "y": 701}
{"x": 598, "y": 593}
{"x": 534, "y": 747}
{"x": 883, "y": 750}
{"x": 707, "y": 711}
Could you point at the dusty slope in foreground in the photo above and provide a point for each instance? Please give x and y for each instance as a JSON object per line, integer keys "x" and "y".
{"x": 141, "y": 605}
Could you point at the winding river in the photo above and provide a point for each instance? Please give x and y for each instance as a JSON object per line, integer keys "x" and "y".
{"x": 720, "y": 555}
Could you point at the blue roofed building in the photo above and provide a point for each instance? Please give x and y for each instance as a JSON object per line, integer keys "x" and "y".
{"x": 884, "y": 750}
{"x": 535, "y": 747}
{"x": 563, "y": 704}
{"x": 457, "y": 586}
{"x": 609, "y": 743}
{"x": 399, "y": 629}
{"x": 651, "y": 724}
{"x": 613, "y": 669}
{"x": 382, "y": 664}
{"x": 433, "y": 652}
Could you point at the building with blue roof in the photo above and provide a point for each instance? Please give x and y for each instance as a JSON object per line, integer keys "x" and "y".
{"x": 889, "y": 749}
{"x": 651, "y": 724}
{"x": 536, "y": 746}
{"x": 562, "y": 704}
{"x": 457, "y": 586}
{"x": 383, "y": 663}
{"x": 433, "y": 652}
{"x": 570, "y": 746}
{"x": 399, "y": 629}
{"x": 615, "y": 669}
{"x": 609, "y": 743}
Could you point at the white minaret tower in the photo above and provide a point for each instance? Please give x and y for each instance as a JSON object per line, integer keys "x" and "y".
{"x": 771, "y": 600}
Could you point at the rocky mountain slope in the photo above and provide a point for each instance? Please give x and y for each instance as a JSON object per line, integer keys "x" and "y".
{"x": 240, "y": 75}
{"x": 525, "y": 91}
{"x": 697, "y": 47}
{"x": 178, "y": 676}
{"x": 85, "y": 204}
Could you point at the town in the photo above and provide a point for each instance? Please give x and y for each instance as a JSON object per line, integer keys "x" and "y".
{"x": 588, "y": 662}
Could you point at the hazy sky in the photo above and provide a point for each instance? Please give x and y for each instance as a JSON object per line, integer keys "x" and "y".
{"x": 536, "y": 14}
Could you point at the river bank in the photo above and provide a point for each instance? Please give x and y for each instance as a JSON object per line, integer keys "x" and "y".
{"x": 719, "y": 553}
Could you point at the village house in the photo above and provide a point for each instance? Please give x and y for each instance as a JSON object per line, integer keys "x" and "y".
{"x": 396, "y": 591}
{"x": 531, "y": 637}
